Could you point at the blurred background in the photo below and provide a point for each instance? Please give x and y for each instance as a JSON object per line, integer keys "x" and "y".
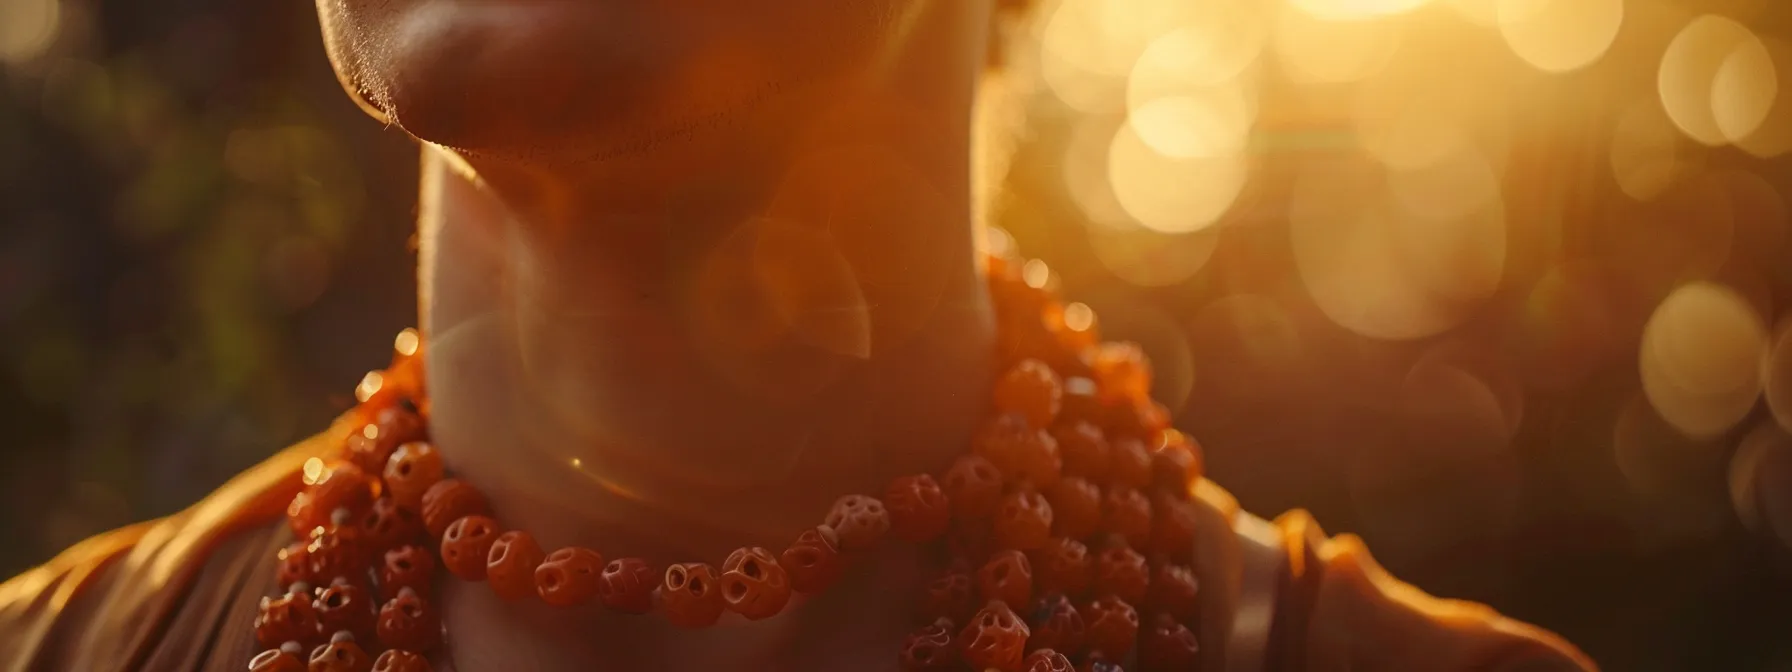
{"x": 1500, "y": 285}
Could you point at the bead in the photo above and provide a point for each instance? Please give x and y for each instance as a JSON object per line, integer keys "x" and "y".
{"x": 510, "y": 565}
{"x": 1127, "y": 513}
{"x": 294, "y": 564}
{"x": 341, "y": 486}
{"x": 919, "y": 510}
{"x": 1129, "y": 464}
{"x": 345, "y": 606}
{"x": 1046, "y": 660}
{"x": 336, "y": 551}
{"x": 407, "y": 566}
{"x": 1076, "y": 507}
{"x": 395, "y": 660}
{"x": 1175, "y": 591}
{"x": 1176, "y": 462}
{"x": 930, "y": 649}
{"x": 691, "y": 596}
{"x": 276, "y": 660}
{"x": 409, "y": 622}
{"x": 1030, "y": 390}
{"x": 1122, "y": 572}
{"x": 626, "y": 585}
{"x": 1024, "y": 520}
{"x": 1056, "y": 625}
{"x": 1112, "y": 625}
{"x": 1063, "y": 566}
{"x": 1121, "y": 370}
{"x": 1099, "y": 662}
{"x": 951, "y": 595}
{"x": 372, "y": 444}
{"x": 1168, "y": 646}
{"x": 1008, "y": 577}
{"x": 387, "y": 525}
{"x": 1084, "y": 450}
{"x": 342, "y": 654}
{"x": 974, "y": 486}
{"x": 813, "y": 560}
{"x": 447, "y": 501}
{"x": 753, "y": 585}
{"x": 859, "y": 521}
{"x": 410, "y": 472}
{"x": 466, "y": 544}
{"x": 568, "y": 576}
{"x": 994, "y": 638}
{"x": 1082, "y": 402}
{"x": 1018, "y": 450}
{"x": 288, "y": 618}
{"x": 1173, "y": 523}
{"x": 1139, "y": 419}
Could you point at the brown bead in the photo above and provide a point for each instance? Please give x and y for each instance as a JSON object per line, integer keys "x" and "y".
{"x": 410, "y": 472}
{"x": 387, "y": 525}
{"x": 336, "y": 551}
{"x": 1007, "y": 576}
{"x": 1137, "y": 419}
{"x": 1076, "y": 508}
{"x": 1084, "y": 450}
{"x": 1024, "y": 520}
{"x": 1168, "y": 646}
{"x": 1018, "y": 450}
{"x": 372, "y": 444}
{"x": 813, "y": 560}
{"x": 994, "y": 638}
{"x": 294, "y": 564}
{"x": 1173, "y": 523}
{"x": 1175, "y": 591}
{"x": 510, "y": 565}
{"x": 466, "y": 544}
{"x": 395, "y": 660}
{"x": 1121, "y": 370}
{"x": 1121, "y": 571}
{"x": 408, "y": 566}
{"x": 1030, "y": 389}
{"x": 345, "y": 606}
{"x": 342, "y": 486}
{"x": 691, "y": 595}
{"x": 1126, "y": 512}
{"x": 859, "y": 521}
{"x": 974, "y": 486}
{"x": 1176, "y": 462}
{"x": 409, "y": 622}
{"x": 753, "y": 585}
{"x": 919, "y": 510}
{"x": 1129, "y": 463}
{"x": 569, "y": 576}
{"x": 342, "y": 654}
{"x": 951, "y": 595}
{"x": 626, "y": 585}
{"x": 287, "y": 618}
{"x": 1046, "y": 660}
{"x": 1063, "y": 566}
{"x": 1056, "y": 625}
{"x": 930, "y": 649}
{"x": 1112, "y": 625}
{"x": 447, "y": 501}
{"x": 276, "y": 660}
{"x": 1099, "y": 662}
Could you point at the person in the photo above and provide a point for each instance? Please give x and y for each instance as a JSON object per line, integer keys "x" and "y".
{"x": 688, "y": 273}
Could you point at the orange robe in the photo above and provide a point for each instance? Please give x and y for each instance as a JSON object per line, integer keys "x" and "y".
{"x": 181, "y": 593}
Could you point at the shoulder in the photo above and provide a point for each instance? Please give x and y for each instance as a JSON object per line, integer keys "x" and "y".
{"x": 109, "y": 602}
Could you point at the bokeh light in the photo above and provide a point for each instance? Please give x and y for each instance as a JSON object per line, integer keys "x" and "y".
{"x": 1559, "y": 35}
{"x": 1701, "y": 359}
{"x": 1689, "y": 72}
{"x": 1316, "y": 50}
{"x": 27, "y": 28}
{"x": 1169, "y": 193}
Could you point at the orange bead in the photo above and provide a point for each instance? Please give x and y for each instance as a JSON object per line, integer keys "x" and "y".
{"x": 859, "y": 521}
{"x": 1024, "y": 520}
{"x": 1007, "y": 576}
{"x": 410, "y": 471}
{"x": 627, "y": 584}
{"x": 1031, "y": 390}
{"x": 1175, "y": 462}
{"x": 994, "y": 638}
{"x": 1173, "y": 523}
{"x": 342, "y": 486}
{"x": 466, "y": 544}
{"x": 974, "y": 486}
{"x": 1082, "y": 402}
{"x": 813, "y": 560}
{"x": 930, "y": 649}
{"x": 1112, "y": 625}
{"x": 409, "y": 622}
{"x": 1126, "y": 512}
{"x": 510, "y": 565}
{"x": 287, "y": 618}
{"x": 1055, "y": 624}
{"x": 294, "y": 564}
{"x": 1021, "y": 452}
{"x": 569, "y": 576}
{"x": 691, "y": 595}
{"x": 1063, "y": 566}
{"x": 412, "y": 567}
{"x": 447, "y": 501}
{"x": 1129, "y": 463}
{"x": 1140, "y": 419}
{"x": 336, "y": 551}
{"x": 1175, "y": 591}
{"x": 1076, "y": 507}
{"x": 395, "y": 660}
{"x": 1046, "y": 660}
{"x": 342, "y": 654}
{"x": 345, "y": 606}
{"x": 951, "y": 595}
{"x": 1122, "y": 572}
{"x": 370, "y": 446}
{"x": 919, "y": 510}
{"x": 278, "y": 660}
{"x": 1122, "y": 371}
{"x": 1168, "y": 646}
{"x": 387, "y": 525}
{"x": 753, "y": 585}
{"x": 1084, "y": 450}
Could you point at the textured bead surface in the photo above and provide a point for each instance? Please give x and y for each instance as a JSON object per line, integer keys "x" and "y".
{"x": 447, "y": 501}
{"x": 1173, "y": 521}
{"x": 287, "y": 618}
{"x": 974, "y": 486}
{"x": 626, "y": 585}
{"x": 371, "y": 445}
{"x": 1176, "y": 462}
{"x": 1018, "y": 450}
{"x": 466, "y": 544}
{"x": 1023, "y": 520}
{"x": 691, "y": 595}
{"x": 294, "y": 564}
{"x": 1007, "y": 576}
{"x": 753, "y": 585}
{"x": 1168, "y": 646}
{"x": 342, "y": 486}
{"x": 342, "y": 654}
{"x": 919, "y": 510}
{"x": 1076, "y": 507}
{"x": 1063, "y": 566}
{"x": 1099, "y": 662}
{"x": 394, "y": 660}
{"x": 994, "y": 638}
{"x": 336, "y": 552}
{"x": 859, "y": 521}
{"x": 410, "y": 472}
{"x": 1129, "y": 463}
{"x": 1122, "y": 572}
{"x": 407, "y": 566}
{"x": 1175, "y": 591}
{"x": 1046, "y": 660}
{"x": 813, "y": 560}
{"x": 345, "y": 606}
{"x": 276, "y": 660}
{"x": 1055, "y": 624}
{"x": 1030, "y": 389}
{"x": 387, "y": 525}
{"x": 951, "y": 595}
{"x": 409, "y": 622}
{"x": 569, "y": 576}
{"x": 510, "y": 565}
{"x": 1121, "y": 370}
{"x": 930, "y": 649}
{"x": 1112, "y": 625}
{"x": 1126, "y": 512}
{"x": 1084, "y": 450}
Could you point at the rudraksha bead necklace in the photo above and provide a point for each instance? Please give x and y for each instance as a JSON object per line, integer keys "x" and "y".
{"x": 1072, "y": 505}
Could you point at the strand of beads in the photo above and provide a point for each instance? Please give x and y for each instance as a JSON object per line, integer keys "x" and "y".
{"x": 1073, "y": 505}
